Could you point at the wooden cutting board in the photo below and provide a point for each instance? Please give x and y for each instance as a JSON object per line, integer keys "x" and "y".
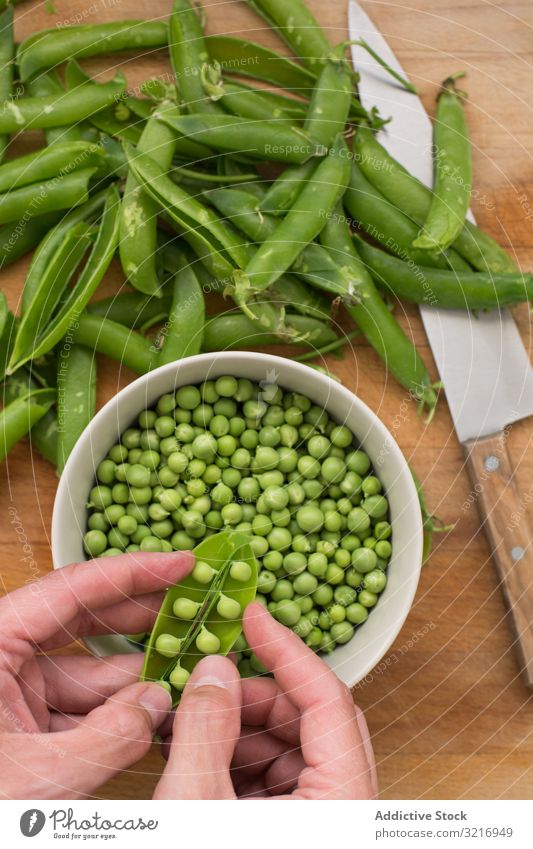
{"x": 448, "y": 713}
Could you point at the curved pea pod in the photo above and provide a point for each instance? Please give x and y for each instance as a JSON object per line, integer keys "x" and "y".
{"x": 219, "y": 551}
{"x": 56, "y": 110}
{"x": 49, "y": 47}
{"x": 240, "y": 99}
{"x": 131, "y": 309}
{"x": 183, "y": 330}
{"x": 189, "y": 57}
{"x": 249, "y": 59}
{"x": 7, "y": 52}
{"x": 296, "y": 24}
{"x": 18, "y": 417}
{"x": 58, "y": 159}
{"x": 97, "y": 263}
{"x": 58, "y": 193}
{"x": 116, "y": 341}
{"x": 260, "y": 139}
{"x": 43, "y": 435}
{"x": 413, "y": 198}
{"x": 76, "y": 396}
{"x": 233, "y": 330}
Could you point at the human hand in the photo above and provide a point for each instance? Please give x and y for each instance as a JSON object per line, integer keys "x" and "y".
{"x": 68, "y": 724}
{"x": 297, "y": 736}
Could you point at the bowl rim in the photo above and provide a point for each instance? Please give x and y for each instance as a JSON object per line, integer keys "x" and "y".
{"x": 379, "y": 648}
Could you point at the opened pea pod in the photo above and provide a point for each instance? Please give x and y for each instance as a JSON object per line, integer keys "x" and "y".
{"x": 202, "y": 614}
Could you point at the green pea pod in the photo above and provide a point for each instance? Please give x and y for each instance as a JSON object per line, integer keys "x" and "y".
{"x": 453, "y": 172}
{"x": 117, "y": 342}
{"x": 471, "y": 290}
{"x": 86, "y": 284}
{"x": 56, "y": 110}
{"x": 19, "y": 237}
{"x": 219, "y": 551}
{"x": 375, "y": 320}
{"x": 43, "y": 255}
{"x": 132, "y": 309}
{"x": 326, "y": 117}
{"x": 48, "y": 84}
{"x": 300, "y": 226}
{"x": 43, "y": 435}
{"x": 193, "y": 175}
{"x": 39, "y": 198}
{"x": 52, "y": 287}
{"x": 201, "y": 227}
{"x": 296, "y": 25}
{"x": 7, "y": 52}
{"x": 246, "y": 102}
{"x": 386, "y": 224}
{"x": 235, "y": 331}
{"x": 59, "y": 159}
{"x": 248, "y": 59}
{"x": 76, "y": 396}
{"x": 8, "y": 324}
{"x": 50, "y": 47}
{"x": 18, "y": 417}
{"x": 138, "y": 213}
{"x": 183, "y": 330}
{"x": 259, "y": 139}
{"x": 414, "y": 199}
{"x": 189, "y": 57}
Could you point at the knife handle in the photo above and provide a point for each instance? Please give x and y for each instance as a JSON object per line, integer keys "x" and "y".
{"x": 506, "y": 525}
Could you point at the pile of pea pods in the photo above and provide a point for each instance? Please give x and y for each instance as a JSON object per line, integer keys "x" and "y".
{"x": 237, "y": 171}
{"x": 270, "y": 493}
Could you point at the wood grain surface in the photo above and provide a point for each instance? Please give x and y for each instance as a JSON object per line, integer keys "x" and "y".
{"x": 448, "y": 712}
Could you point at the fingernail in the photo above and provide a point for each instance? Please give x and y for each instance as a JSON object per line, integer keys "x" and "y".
{"x": 213, "y": 671}
{"x": 157, "y": 702}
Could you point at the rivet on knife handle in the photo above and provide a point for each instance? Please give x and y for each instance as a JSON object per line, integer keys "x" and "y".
{"x": 506, "y": 524}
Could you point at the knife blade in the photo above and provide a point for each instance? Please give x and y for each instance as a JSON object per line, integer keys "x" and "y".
{"x": 485, "y": 369}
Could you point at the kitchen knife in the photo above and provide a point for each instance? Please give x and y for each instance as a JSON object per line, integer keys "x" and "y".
{"x": 484, "y": 367}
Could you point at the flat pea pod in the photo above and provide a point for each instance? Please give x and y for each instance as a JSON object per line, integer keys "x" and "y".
{"x": 260, "y": 139}
{"x": 131, "y": 309}
{"x": 201, "y": 227}
{"x": 50, "y": 47}
{"x": 248, "y": 59}
{"x": 300, "y": 226}
{"x": 51, "y": 289}
{"x": 59, "y": 159}
{"x": 18, "y": 417}
{"x": 314, "y": 265}
{"x": 19, "y": 237}
{"x": 389, "y": 226}
{"x": 56, "y": 110}
{"x": 57, "y": 193}
{"x": 76, "y": 396}
{"x": 117, "y": 342}
{"x": 414, "y": 200}
{"x": 7, "y": 52}
{"x": 183, "y": 330}
{"x": 235, "y": 331}
{"x": 97, "y": 263}
{"x": 296, "y": 25}
{"x": 326, "y": 117}
{"x": 453, "y": 172}
{"x": 48, "y": 84}
{"x": 43, "y": 435}
{"x": 138, "y": 212}
{"x": 42, "y": 257}
{"x": 189, "y": 56}
{"x": 376, "y": 321}
{"x": 470, "y": 290}
{"x": 219, "y": 552}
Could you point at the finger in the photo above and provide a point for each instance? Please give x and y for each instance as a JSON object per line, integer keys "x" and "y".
{"x": 74, "y": 763}
{"x": 265, "y": 704}
{"x": 206, "y": 729}
{"x": 76, "y": 684}
{"x": 283, "y": 774}
{"x": 34, "y": 613}
{"x": 253, "y": 787}
{"x": 330, "y": 738}
{"x": 64, "y": 721}
{"x": 256, "y": 750}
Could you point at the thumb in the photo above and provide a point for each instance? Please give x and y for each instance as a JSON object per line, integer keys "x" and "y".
{"x": 113, "y": 736}
{"x": 207, "y": 726}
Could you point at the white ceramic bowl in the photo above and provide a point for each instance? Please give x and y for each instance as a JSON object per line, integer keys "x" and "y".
{"x": 352, "y": 661}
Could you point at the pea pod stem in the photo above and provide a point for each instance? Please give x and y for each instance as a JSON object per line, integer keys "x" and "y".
{"x": 445, "y": 289}
{"x": 18, "y": 417}
{"x": 328, "y": 349}
{"x": 76, "y": 396}
{"x": 414, "y": 200}
{"x": 453, "y": 172}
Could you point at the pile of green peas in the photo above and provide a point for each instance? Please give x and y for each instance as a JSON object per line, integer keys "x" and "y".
{"x": 230, "y": 453}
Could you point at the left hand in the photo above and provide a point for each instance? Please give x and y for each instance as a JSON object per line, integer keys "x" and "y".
{"x": 69, "y": 723}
